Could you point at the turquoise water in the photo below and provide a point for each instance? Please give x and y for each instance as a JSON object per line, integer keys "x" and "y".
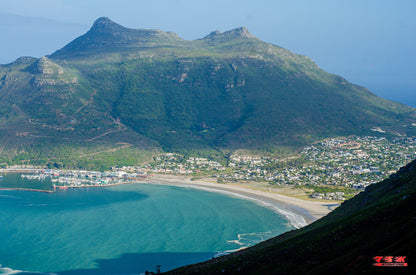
{"x": 125, "y": 229}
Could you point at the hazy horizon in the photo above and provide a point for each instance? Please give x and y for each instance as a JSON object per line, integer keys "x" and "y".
{"x": 370, "y": 44}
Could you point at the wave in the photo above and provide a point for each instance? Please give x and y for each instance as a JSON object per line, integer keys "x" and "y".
{"x": 8, "y": 196}
{"x": 10, "y": 271}
{"x": 249, "y": 239}
{"x": 35, "y": 205}
{"x": 226, "y": 252}
{"x": 245, "y": 240}
{"x": 294, "y": 219}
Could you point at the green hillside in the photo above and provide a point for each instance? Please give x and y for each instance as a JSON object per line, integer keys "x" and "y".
{"x": 380, "y": 221}
{"x": 155, "y": 91}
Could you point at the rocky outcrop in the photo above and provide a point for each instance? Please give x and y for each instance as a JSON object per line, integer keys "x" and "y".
{"x": 241, "y": 32}
{"x": 45, "y": 66}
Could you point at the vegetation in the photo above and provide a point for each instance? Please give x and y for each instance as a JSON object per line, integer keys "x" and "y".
{"x": 228, "y": 91}
{"x": 377, "y": 222}
{"x": 298, "y": 162}
{"x": 79, "y": 156}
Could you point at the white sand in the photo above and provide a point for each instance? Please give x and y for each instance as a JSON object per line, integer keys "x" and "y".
{"x": 299, "y": 212}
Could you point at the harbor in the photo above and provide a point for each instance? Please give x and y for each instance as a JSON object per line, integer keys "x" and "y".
{"x": 50, "y": 180}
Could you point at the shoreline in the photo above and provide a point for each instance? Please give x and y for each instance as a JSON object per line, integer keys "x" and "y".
{"x": 298, "y": 211}
{"x": 95, "y": 186}
{"x": 293, "y": 208}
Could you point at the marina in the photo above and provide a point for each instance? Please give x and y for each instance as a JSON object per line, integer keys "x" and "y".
{"x": 52, "y": 179}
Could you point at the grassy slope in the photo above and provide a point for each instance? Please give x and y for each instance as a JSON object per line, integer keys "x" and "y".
{"x": 152, "y": 89}
{"x": 378, "y": 222}
{"x": 238, "y": 102}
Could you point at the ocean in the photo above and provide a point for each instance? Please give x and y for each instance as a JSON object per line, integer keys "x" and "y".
{"x": 124, "y": 229}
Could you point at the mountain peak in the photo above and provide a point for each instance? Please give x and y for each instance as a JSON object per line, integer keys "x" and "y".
{"x": 213, "y": 34}
{"x": 241, "y": 32}
{"x": 103, "y": 24}
{"x": 45, "y": 66}
{"x": 106, "y": 35}
{"x": 103, "y": 20}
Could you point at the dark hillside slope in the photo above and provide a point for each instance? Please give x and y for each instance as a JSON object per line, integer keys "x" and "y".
{"x": 378, "y": 222}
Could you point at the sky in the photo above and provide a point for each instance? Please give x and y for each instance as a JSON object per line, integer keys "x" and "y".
{"x": 369, "y": 42}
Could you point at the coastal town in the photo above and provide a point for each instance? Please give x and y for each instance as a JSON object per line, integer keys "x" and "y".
{"x": 64, "y": 179}
{"x": 348, "y": 164}
{"x": 352, "y": 163}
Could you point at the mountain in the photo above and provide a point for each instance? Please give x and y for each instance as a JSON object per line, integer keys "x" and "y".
{"x": 377, "y": 222}
{"x": 116, "y": 89}
{"x": 106, "y": 36}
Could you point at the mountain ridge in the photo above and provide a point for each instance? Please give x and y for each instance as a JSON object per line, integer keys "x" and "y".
{"x": 152, "y": 89}
{"x": 241, "y": 32}
{"x": 105, "y": 33}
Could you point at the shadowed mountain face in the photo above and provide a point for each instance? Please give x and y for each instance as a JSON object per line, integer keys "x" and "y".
{"x": 152, "y": 89}
{"x": 377, "y": 222}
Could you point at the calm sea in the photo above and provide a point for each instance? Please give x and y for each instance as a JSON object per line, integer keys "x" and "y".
{"x": 125, "y": 229}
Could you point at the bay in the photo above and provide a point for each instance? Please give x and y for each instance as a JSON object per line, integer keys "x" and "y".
{"x": 126, "y": 229}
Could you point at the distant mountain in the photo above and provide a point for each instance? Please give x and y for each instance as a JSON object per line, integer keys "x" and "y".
{"x": 115, "y": 87}
{"x": 24, "y": 35}
{"x": 377, "y": 222}
{"x": 107, "y": 36}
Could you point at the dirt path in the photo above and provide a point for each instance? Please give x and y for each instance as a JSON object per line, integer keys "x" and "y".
{"x": 106, "y": 133}
{"x": 125, "y": 145}
{"x": 116, "y": 121}
{"x": 88, "y": 102}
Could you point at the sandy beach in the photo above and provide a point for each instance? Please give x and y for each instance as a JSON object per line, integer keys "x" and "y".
{"x": 299, "y": 212}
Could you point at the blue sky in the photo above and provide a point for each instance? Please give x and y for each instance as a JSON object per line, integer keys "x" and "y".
{"x": 369, "y": 42}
